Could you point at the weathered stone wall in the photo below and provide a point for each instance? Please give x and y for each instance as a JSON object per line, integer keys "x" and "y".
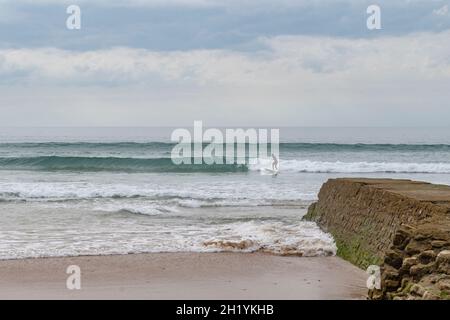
{"x": 390, "y": 223}
{"x": 417, "y": 266}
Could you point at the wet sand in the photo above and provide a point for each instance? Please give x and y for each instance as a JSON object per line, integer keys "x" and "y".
{"x": 184, "y": 276}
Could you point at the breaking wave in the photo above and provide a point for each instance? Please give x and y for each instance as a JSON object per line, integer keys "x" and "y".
{"x": 161, "y": 165}
{"x": 58, "y": 163}
{"x": 309, "y": 166}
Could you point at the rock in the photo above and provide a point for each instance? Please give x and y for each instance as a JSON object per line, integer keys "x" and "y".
{"x": 438, "y": 243}
{"x": 376, "y": 295}
{"x": 416, "y": 247}
{"x": 401, "y": 239}
{"x": 391, "y": 274}
{"x": 430, "y": 296}
{"x": 400, "y": 225}
{"x": 394, "y": 258}
{"x": 443, "y": 261}
{"x": 417, "y": 290}
{"x": 419, "y": 270}
{"x": 391, "y": 284}
{"x": 421, "y": 237}
{"x": 427, "y": 256}
{"x": 444, "y": 285}
{"x": 444, "y": 256}
{"x": 405, "y": 283}
{"x": 409, "y": 262}
{"x": 444, "y": 268}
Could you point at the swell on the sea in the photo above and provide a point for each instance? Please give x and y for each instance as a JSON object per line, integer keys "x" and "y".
{"x": 161, "y": 165}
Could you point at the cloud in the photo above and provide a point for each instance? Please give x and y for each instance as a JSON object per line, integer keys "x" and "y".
{"x": 204, "y": 24}
{"x": 285, "y": 59}
{"x": 120, "y": 3}
{"x": 170, "y": 3}
{"x": 280, "y": 63}
{"x": 294, "y": 80}
{"x": 443, "y": 11}
{"x": 220, "y": 3}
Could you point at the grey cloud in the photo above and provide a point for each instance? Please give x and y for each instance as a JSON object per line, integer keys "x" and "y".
{"x": 206, "y": 24}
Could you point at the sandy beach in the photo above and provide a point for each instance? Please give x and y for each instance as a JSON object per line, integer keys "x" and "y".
{"x": 184, "y": 276}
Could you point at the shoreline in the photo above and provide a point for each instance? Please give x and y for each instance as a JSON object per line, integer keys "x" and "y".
{"x": 184, "y": 276}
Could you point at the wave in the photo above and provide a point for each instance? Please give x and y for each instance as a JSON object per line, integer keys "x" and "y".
{"x": 57, "y": 163}
{"x": 274, "y": 237}
{"x": 288, "y": 146}
{"x": 163, "y": 165}
{"x": 308, "y": 166}
{"x": 144, "y": 204}
{"x": 293, "y": 239}
{"x": 330, "y": 147}
{"x": 94, "y": 145}
{"x": 161, "y": 150}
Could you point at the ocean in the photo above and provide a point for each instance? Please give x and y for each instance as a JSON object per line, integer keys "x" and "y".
{"x": 101, "y": 191}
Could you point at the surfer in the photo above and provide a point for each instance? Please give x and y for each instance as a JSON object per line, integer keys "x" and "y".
{"x": 274, "y": 163}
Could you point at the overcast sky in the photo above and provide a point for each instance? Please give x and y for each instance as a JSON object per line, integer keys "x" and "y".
{"x": 226, "y": 62}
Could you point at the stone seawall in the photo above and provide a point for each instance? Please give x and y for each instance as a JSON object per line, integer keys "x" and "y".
{"x": 417, "y": 266}
{"x": 401, "y": 225}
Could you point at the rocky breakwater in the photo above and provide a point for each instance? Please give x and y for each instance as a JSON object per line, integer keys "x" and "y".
{"x": 401, "y": 225}
{"x": 417, "y": 266}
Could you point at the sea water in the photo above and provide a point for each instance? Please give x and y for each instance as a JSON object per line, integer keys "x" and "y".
{"x": 90, "y": 191}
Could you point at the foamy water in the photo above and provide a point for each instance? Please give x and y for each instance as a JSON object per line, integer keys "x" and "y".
{"x": 61, "y": 231}
{"x": 69, "y": 195}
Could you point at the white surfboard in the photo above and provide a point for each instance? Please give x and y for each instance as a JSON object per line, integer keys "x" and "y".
{"x": 270, "y": 171}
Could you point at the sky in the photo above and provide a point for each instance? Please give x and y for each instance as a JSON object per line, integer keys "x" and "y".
{"x": 225, "y": 62}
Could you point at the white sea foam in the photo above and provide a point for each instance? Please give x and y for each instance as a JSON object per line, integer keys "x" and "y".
{"x": 112, "y": 234}
{"x": 191, "y": 195}
{"x": 351, "y": 167}
{"x": 302, "y": 238}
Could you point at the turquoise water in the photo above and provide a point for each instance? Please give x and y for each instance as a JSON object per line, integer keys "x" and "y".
{"x": 156, "y": 157}
{"x": 116, "y": 190}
